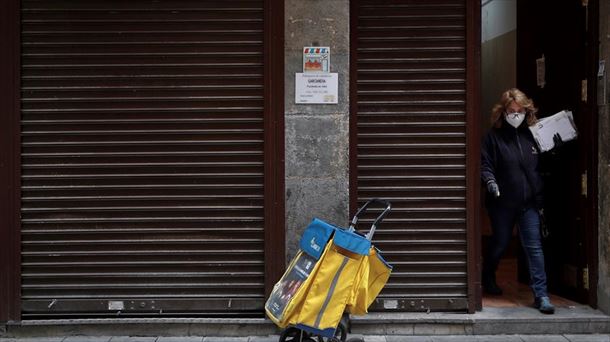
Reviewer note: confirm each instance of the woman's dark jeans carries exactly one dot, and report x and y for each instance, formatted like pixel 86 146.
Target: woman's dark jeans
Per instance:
pixel 528 223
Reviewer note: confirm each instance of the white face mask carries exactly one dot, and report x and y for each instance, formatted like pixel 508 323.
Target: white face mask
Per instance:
pixel 515 119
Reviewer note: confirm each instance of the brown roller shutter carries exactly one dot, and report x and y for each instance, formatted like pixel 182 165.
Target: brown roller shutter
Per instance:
pixel 409 106
pixel 143 157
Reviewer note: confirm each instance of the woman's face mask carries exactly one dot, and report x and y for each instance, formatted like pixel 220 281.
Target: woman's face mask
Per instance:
pixel 515 118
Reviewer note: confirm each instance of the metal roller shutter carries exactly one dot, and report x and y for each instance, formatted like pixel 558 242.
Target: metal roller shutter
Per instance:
pixel 142 152
pixel 411 145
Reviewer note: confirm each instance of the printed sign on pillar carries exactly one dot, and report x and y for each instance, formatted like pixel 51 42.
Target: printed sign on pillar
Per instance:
pixel 316 88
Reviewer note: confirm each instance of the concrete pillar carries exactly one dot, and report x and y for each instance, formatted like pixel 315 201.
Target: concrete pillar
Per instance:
pixel 316 136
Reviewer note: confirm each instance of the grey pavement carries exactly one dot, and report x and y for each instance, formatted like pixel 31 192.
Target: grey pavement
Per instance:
pixel 367 338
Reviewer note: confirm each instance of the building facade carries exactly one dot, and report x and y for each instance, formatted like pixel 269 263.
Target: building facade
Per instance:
pixel 154 160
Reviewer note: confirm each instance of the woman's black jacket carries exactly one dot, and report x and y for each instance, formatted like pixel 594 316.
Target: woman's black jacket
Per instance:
pixel 510 157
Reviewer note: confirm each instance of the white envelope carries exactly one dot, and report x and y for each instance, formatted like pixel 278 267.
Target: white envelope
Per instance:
pixel 546 128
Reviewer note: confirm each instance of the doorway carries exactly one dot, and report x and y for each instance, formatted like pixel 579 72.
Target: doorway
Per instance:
pixel 553 60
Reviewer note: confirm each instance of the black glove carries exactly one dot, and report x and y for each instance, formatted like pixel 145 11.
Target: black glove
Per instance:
pixel 557 140
pixel 544 231
pixel 492 188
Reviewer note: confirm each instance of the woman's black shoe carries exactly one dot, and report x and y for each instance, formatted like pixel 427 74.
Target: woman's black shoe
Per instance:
pixel 492 289
pixel 490 286
pixel 544 305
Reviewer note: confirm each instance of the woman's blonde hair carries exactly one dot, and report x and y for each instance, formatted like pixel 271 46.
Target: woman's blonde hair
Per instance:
pixel 517 96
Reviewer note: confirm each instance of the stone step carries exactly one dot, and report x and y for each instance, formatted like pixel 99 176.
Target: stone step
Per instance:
pixel 144 327
pixel 489 321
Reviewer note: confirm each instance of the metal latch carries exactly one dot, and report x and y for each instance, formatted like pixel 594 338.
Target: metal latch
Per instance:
pixel 583 184
pixel 585 278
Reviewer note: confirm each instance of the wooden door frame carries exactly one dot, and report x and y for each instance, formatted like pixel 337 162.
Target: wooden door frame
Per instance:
pixel 473 153
pixel 274 143
pixel 10 162
pixel 353 108
pixel 592 215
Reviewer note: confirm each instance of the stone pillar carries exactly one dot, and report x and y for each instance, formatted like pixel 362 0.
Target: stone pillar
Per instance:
pixel 316 136
pixel 603 98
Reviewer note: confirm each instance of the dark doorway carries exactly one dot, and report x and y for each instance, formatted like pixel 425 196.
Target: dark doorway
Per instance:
pixel 567 40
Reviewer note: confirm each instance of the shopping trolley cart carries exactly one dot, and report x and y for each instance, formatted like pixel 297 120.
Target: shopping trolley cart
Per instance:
pixel 337 271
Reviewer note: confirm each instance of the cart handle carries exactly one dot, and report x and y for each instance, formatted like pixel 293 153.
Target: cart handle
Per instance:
pixel 384 213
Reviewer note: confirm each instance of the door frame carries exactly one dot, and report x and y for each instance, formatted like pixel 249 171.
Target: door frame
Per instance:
pixel 592 218
pixel 473 153
pixel 274 143
pixel 10 162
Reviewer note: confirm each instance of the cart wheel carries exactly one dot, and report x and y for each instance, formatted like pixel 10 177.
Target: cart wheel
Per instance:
pixel 340 334
pixel 293 334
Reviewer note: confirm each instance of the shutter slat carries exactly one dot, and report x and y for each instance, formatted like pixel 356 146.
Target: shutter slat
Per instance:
pixel 411 132
pixel 142 155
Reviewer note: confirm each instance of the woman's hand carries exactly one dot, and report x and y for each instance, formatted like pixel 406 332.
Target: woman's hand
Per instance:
pixel 492 188
pixel 557 140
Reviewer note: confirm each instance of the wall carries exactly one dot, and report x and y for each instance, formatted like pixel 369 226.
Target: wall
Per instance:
pixel 316 136
pixel 497 18
pixel 603 286
pixel 498 52
pixel 498 71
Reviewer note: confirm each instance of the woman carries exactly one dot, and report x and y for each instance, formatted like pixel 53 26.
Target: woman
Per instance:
pixel 509 170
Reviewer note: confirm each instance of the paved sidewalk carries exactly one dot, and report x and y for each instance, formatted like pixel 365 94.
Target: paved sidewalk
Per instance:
pixel 367 338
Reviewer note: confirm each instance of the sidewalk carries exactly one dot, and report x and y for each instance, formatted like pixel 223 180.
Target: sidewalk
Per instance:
pixel 367 338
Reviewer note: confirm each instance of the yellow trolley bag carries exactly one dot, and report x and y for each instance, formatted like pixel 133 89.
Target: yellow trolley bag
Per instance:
pixel 286 299
pixel 374 272
pixel 349 273
pixel 371 278
pixel 332 286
